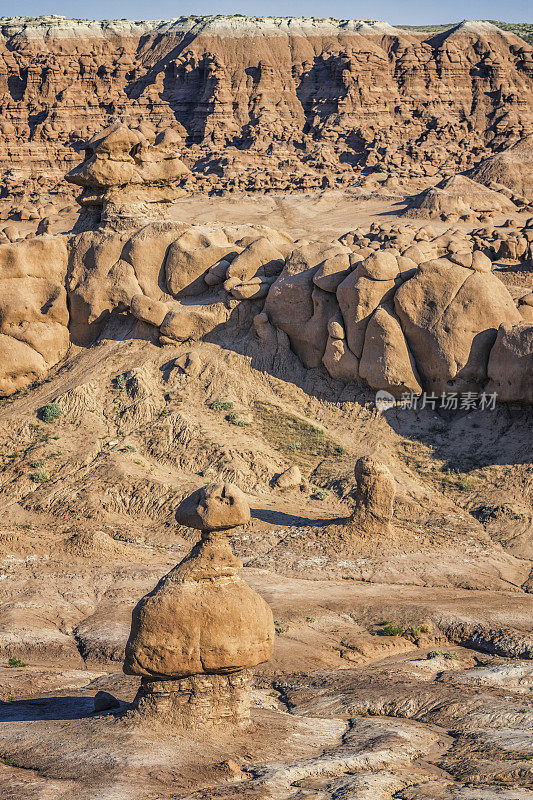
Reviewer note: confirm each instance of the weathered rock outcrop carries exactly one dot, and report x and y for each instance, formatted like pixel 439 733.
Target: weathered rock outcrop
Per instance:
pixel 302 310
pixel 195 637
pixel 386 362
pixel 214 508
pixel 459 196
pixel 125 165
pixel 147 271
pixel 33 310
pixel 397 309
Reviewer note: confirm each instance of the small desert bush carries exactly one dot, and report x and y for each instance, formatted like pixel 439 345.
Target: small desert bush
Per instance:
pixel 8 761
pixel 220 405
pixel 450 655
pixel 233 418
pixel 39 476
pixel 50 412
pixel 466 483
pixel 392 630
pixel 415 631
pixel 16 662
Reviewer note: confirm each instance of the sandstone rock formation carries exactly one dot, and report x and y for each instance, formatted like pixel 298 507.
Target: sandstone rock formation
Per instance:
pixel 127 168
pixel 511 168
pixel 458 197
pixel 195 637
pixel 261 102
pixel 289 478
pixel 374 496
pixel 386 361
pixel 510 367
pixel 450 315
pixel 214 508
pixel 145 270
pixel 33 310
pixel 392 325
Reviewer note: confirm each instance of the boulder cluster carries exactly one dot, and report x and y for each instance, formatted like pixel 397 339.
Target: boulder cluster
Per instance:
pixel 395 308
pixel 402 311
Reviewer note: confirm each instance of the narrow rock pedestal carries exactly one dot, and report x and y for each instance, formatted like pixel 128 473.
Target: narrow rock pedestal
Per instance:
pixel 375 490
pixel 199 701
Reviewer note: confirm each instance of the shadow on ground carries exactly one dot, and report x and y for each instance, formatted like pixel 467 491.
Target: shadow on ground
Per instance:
pixel 47 708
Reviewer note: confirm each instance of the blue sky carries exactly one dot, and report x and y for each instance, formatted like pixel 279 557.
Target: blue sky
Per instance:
pixel 409 12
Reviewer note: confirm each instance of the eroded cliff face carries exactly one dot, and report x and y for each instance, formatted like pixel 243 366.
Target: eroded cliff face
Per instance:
pixel 262 102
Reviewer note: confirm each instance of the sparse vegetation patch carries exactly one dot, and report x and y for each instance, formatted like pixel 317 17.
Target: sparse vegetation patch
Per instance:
pixel 50 412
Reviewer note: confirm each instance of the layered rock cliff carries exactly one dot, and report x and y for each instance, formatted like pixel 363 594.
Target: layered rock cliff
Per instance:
pixel 262 102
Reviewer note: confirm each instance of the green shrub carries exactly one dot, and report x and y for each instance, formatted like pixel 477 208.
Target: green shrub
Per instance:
pixel 50 412
pixel 466 483
pixel 448 654
pixel 39 476
pixel 392 630
pixel 16 662
pixel 219 405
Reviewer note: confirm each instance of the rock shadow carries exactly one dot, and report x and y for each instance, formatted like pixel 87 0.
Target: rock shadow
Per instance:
pixel 281 518
pixel 468 440
pixel 50 708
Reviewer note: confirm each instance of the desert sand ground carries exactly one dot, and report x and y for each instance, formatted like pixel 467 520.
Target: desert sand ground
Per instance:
pixel 439 711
